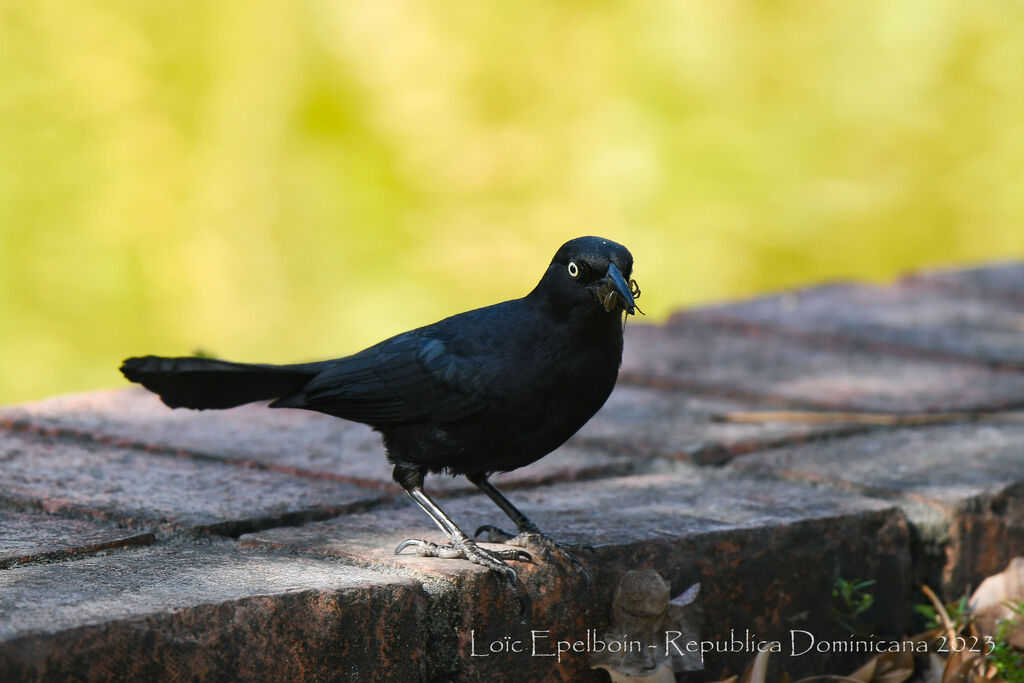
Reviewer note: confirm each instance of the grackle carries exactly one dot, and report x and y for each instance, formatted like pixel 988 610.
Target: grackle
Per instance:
pixel 485 391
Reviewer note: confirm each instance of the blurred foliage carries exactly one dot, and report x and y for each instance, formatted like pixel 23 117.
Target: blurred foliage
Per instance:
pixel 290 180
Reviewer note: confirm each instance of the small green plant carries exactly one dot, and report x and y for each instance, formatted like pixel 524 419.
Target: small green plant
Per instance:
pixel 1009 662
pixel 851 600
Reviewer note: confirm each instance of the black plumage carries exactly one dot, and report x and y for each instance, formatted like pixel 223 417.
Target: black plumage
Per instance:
pixel 485 391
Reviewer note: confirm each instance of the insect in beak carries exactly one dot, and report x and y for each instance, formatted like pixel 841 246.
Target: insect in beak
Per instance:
pixel 615 290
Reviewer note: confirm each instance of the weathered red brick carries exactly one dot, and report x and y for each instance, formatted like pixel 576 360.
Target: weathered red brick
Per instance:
pixel 289 440
pixel 902 319
pixel 1002 280
pixel 209 612
pixel 151 490
pixel 715 361
pixel 33 537
pixel 680 425
pixel 766 553
pixel 962 486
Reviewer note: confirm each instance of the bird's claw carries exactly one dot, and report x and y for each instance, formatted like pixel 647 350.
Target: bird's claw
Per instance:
pixel 524 538
pixel 428 549
pixel 465 549
pixel 537 540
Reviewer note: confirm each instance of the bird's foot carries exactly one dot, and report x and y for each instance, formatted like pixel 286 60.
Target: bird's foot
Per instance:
pixel 464 548
pixel 536 540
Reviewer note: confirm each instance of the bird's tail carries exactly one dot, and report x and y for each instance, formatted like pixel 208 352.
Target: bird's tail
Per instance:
pixel 207 383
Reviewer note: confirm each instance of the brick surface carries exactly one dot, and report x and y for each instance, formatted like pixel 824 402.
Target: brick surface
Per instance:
pixel 138 488
pixel 33 537
pixel 717 361
pixel 906 319
pixel 290 441
pixel 680 425
pixel 963 486
pixel 1002 280
pixel 208 612
pixel 753 543
pixel 282 439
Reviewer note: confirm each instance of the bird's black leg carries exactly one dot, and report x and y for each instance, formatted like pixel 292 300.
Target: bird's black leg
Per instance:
pixel 530 536
pixel 460 545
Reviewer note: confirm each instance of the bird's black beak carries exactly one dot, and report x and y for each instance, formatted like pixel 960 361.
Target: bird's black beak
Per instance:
pixel 615 289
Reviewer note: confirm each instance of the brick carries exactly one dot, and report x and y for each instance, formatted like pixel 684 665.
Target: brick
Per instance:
pixel 150 490
pixel 679 425
pixel 32 537
pixel 1004 280
pixel 766 553
pixel 209 612
pixel 759 366
pixel 290 441
pixel 902 319
pixel 962 486
pixel 287 440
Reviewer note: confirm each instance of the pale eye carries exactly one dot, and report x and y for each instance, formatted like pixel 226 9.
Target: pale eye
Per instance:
pixel 574 270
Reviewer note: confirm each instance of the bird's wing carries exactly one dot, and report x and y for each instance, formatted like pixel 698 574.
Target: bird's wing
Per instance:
pixel 404 379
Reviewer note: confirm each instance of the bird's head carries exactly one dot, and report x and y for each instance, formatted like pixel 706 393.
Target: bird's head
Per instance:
pixel 593 271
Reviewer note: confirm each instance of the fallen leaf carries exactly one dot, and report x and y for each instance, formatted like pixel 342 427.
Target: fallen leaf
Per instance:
pixel 888 667
pixel 980 677
pixel 988 604
pixel 936 665
pixel 757 669
pixel 685 614
pixel 958 666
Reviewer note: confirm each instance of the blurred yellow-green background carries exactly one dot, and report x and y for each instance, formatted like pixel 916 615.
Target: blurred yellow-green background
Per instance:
pixel 287 180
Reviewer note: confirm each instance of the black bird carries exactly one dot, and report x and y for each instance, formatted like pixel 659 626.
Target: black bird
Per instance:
pixel 485 391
